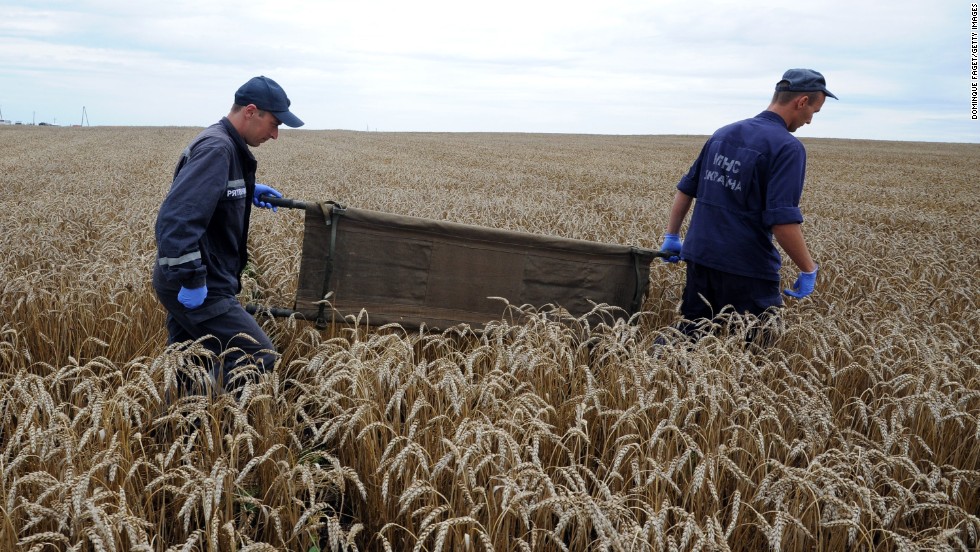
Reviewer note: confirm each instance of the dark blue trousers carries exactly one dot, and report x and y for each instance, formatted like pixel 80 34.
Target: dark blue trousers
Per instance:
pixel 233 331
pixel 708 291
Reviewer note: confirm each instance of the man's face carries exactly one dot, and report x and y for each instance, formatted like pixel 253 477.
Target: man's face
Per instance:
pixel 805 110
pixel 259 126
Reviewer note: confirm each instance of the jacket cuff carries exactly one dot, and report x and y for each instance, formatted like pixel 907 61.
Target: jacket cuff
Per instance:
pixel 194 283
pixel 782 215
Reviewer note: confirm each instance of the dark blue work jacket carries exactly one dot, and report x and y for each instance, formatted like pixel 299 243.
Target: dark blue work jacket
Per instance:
pixel 748 178
pixel 202 226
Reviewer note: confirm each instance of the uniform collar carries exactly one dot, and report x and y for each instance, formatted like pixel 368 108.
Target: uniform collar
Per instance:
pixel 237 138
pixel 774 117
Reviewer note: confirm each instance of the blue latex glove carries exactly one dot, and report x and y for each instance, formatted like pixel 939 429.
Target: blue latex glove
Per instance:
pixel 672 242
pixel 192 298
pixel 804 285
pixel 263 189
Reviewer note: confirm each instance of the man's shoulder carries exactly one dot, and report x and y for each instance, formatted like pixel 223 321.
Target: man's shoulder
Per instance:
pixel 765 133
pixel 214 133
pixel 212 137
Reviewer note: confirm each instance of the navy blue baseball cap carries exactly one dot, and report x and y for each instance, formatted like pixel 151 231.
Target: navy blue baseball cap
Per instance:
pixel 267 95
pixel 803 80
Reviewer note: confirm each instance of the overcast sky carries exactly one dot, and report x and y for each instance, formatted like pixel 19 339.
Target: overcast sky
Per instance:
pixel 901 68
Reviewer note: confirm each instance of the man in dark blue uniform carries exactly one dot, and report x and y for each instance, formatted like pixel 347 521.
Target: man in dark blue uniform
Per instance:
pixel 747 181
pixel 202 228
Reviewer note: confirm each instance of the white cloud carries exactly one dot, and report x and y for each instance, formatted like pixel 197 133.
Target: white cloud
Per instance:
pixel 661 66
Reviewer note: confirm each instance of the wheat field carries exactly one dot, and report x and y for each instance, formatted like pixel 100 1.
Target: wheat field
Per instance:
pixel 858 429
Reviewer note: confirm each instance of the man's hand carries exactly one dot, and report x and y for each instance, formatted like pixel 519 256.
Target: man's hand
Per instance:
pixel 804 285
pixel 672 244
pixel 260 190
pixel 192 298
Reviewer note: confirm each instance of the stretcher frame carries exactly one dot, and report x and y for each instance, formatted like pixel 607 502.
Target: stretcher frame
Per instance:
pixel 414 271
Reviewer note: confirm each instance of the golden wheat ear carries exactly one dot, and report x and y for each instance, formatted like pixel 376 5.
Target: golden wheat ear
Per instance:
pixel 856 429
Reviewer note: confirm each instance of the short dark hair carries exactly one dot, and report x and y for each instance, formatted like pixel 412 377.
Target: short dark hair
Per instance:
pixel 235 108
pixel 783 97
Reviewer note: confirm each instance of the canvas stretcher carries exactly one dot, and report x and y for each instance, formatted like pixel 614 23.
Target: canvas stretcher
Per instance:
pixel 413 271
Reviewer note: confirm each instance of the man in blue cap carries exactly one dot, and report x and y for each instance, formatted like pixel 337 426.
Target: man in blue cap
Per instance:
pixel 202 228
pixel 747 183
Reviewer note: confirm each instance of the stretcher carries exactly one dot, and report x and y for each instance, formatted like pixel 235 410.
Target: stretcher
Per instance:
pixel 415 271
